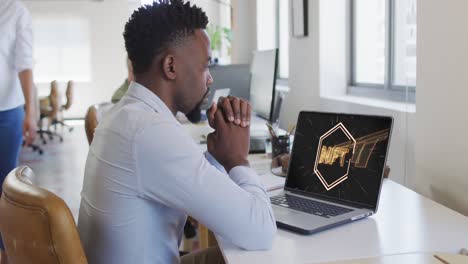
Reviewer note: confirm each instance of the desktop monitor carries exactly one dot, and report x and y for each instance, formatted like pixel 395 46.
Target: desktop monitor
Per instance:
pixel 262 83
pixel 236 77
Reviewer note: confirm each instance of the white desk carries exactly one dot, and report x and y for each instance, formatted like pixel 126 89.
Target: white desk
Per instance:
pixel 406 222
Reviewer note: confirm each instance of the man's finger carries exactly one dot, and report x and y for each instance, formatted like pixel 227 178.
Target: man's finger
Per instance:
pixel 225 105
pixel 211 115
pixel 244 105
pixel 249 116
pixel 235 103
pixel 219 120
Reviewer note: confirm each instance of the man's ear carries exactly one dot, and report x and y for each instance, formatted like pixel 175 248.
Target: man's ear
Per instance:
pixel 168 67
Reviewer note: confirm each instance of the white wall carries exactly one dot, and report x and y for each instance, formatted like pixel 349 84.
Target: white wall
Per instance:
pixel 304 80
pixel 442 127
pixel 244 31
pixel 318 80
pixel 107 19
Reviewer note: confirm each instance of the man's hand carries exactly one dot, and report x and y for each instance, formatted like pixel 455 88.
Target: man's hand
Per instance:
pixel 229 144
pixel 29 129
pixel 235 110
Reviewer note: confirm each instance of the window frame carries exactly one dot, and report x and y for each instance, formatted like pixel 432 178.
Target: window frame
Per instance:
pixel 387 90
pixel 281 80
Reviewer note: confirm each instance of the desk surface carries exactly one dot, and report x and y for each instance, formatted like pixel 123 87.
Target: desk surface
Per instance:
pixel 405 223
pixel 413 258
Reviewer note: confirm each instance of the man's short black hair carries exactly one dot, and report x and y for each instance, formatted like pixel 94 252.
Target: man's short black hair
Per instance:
pixel 153 28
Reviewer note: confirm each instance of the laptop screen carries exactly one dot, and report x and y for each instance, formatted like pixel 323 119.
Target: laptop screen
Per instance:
pixel 339 156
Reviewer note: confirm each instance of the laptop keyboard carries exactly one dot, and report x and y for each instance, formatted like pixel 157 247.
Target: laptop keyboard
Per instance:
pixel 309 206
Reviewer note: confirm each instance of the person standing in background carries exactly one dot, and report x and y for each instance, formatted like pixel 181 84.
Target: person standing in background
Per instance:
pixel 17 94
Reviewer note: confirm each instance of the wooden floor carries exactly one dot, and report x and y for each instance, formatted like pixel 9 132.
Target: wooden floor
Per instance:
pixel 60 168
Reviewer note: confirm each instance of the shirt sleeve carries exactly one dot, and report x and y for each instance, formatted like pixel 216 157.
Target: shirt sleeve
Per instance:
pixel 214 162
pixel 173 171
pixel 24 42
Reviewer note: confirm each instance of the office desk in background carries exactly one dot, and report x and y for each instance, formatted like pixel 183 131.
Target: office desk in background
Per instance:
pixel 199 131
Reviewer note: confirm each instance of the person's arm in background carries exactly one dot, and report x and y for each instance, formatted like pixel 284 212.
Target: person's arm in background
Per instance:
pixel 24 65
pixel 29 123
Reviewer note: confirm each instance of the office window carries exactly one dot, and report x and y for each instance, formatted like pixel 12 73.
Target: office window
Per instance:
pixel 273 31
pixel 383 49
pixel 283 17
pixel 62 49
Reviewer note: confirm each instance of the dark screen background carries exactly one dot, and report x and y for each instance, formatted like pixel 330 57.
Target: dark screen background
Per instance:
pixel 363 184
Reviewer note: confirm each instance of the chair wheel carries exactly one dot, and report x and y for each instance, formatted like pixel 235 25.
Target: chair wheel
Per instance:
pixel 44 141
pixel 61 139
pixel 41 152
pixel 70 129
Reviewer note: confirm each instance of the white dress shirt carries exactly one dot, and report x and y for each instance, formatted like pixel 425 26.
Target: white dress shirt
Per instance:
pixel 144 174
pixel 15 51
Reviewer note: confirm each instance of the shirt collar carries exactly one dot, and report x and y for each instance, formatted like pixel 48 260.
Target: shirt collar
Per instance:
pixel 143 94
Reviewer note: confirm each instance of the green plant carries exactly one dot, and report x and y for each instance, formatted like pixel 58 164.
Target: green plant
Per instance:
pixel 217 34
pixel 214 32
pixel 228 36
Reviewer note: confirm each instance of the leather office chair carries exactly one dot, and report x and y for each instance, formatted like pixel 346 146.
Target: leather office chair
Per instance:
pixel 49 108
pixel 93 116
pixel 69 96
pixel 36 225
pixel 59 118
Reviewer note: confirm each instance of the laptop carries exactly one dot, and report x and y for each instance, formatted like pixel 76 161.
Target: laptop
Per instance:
pixel 335 171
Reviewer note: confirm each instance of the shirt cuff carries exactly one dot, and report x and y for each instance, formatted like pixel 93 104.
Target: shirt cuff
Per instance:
pixel 214 162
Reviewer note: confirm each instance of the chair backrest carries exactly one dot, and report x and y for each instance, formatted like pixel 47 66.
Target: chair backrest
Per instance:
pixel 36 225
pixel 69 95
pixel 93 116
pixel 54 99
pixel 50 106
pixel 37 107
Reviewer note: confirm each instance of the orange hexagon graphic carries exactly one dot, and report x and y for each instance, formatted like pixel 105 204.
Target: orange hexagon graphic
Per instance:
pixel 334 153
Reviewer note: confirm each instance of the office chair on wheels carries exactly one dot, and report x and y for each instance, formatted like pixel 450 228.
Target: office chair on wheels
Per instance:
pixel 49 107
pixel 59 119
